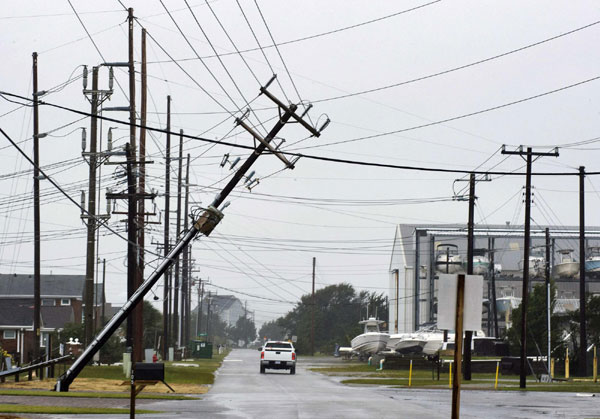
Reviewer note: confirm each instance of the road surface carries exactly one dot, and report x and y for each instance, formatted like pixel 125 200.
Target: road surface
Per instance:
pixel 240 391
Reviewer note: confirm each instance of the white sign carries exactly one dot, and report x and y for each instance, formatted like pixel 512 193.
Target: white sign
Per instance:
pixel 446 318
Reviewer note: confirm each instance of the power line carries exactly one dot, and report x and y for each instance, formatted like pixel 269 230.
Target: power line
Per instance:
pixel 462 67
pixel 348 161
pixel 318 35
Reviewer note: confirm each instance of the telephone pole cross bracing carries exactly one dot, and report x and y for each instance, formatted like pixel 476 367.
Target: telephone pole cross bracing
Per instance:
pixel 529 154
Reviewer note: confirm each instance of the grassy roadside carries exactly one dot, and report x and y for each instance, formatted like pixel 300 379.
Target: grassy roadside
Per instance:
pixel 363 374
pixel 12 408
pixel 92 395
pixel 186 377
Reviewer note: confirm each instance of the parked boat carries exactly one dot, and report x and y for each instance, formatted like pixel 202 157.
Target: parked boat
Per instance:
pixel 592 262
pixel 537 263
pixel 372 340
pixel 447 259
pixel 481 263
pixel 427 340
pixel 567 267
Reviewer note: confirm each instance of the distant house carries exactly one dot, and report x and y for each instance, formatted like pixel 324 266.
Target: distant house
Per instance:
pixel 61 303
pixel 228 307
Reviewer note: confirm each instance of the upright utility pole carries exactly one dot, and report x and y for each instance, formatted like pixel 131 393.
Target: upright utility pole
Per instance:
pixel 493 266
pixel 91 219
pixel 36 215
pixel 582 325
pixel 175 327
pixel 312 313
pixel 131 191
pixel 166 276
pixel 140 222
pixel 548 302
pixel 185 272
pixel 131 241
pixel 103 291
pixel 199 307
pixel 470 246
pixel 526 245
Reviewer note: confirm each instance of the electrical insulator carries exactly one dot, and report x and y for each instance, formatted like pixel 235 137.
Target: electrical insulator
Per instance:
pixel 109 145
pixel 249 177
pixel 82 201
pixel 111 77
pixel 83 139
pixel 85 77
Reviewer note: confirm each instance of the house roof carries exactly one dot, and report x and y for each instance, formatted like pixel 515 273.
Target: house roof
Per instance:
pixel 18 312
pixel 55 317
pixel 21 286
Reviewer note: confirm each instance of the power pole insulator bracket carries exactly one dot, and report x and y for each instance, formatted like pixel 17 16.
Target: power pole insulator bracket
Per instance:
pixel 208 220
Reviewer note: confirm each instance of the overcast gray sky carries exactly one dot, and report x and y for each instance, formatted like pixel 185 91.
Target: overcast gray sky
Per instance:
pixel 342 214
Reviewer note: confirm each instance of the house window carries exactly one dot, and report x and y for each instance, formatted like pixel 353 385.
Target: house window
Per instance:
pixel 44 339
pixel 65 301
pixel 10 334
pixel 48 302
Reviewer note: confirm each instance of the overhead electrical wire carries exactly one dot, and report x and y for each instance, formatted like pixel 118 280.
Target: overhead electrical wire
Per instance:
pixel 347 161
pixel 305 38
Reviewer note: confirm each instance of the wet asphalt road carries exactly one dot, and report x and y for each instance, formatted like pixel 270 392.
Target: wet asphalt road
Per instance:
pixel 240 391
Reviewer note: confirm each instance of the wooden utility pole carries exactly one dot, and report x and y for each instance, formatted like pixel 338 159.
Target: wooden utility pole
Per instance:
pixel 493 274
pixel 185 272
pixel 175 327
pixel 166 276
pixel 470 247
pixel 140 222
pixel 36 215
pixel 103 291
pixel 582 326
pixel 312 315
pixel 91 216
pixel 548 301
pixel 200 301
pixel 458 345
pixel 131 191
pixel 397 310
pixel 526 245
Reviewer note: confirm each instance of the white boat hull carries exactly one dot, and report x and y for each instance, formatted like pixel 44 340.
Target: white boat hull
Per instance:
pixel 566 270
pixel 370 343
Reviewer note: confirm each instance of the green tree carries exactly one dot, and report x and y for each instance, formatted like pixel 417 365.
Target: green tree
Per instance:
pixel 153 325
pixel 592 325
pixel 537 324
pixel 244 330
pixel 338 309
pixel 272 330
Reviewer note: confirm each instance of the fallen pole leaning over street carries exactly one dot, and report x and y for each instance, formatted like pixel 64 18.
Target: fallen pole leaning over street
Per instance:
pixel 205 224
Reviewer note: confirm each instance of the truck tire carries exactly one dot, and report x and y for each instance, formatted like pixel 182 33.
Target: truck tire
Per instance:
pixel 293 370
pixel 262 369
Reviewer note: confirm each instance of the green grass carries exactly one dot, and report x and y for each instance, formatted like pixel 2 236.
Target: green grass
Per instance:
pixel 416 382
pixel 203 374
pixel 93 395
pixel 12 408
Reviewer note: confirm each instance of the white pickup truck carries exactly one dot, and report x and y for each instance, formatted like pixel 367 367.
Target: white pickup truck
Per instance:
pixel 278 355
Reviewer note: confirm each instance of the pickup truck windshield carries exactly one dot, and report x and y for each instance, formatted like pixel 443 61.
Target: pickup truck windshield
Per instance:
pixel 277 345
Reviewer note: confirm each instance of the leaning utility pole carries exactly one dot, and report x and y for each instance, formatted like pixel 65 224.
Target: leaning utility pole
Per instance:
pixel 204 224
pixel 91 215
pixel 167 282
pixel 312 313
pixel 175 327
pixel 526 245
pixel 36 216
pixel 582 319
pixel 185 272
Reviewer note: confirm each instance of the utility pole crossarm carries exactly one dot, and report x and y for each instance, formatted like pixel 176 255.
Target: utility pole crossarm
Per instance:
pixel 520 152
